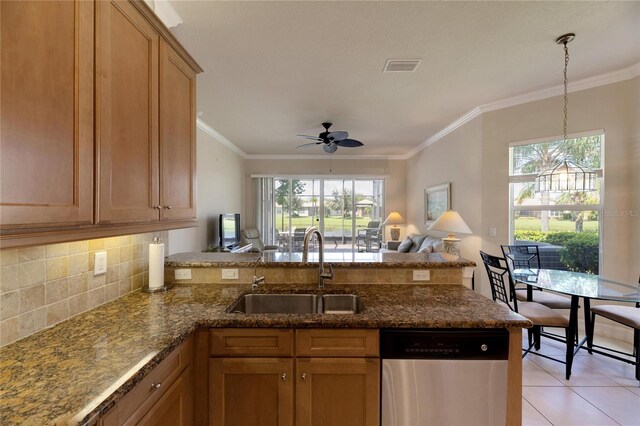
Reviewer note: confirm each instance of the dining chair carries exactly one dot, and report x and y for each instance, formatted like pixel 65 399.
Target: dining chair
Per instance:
pixel 502 290
pixel 527 256
pixel 625 315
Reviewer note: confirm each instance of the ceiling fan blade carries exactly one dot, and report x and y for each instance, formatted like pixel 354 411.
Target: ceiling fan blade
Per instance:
pixel 349 143
pixel 313 138
pixel 308 144
pixel 337 136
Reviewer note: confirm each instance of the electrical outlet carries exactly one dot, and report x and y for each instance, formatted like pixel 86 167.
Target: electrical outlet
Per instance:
pixel 100 263
pixel 229 274
pixel 492 231
pixel 182 274
pixel 421 275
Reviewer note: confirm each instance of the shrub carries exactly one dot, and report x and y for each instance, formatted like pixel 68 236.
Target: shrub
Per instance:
pixel 580 253
pixel 529 235
pixel 558 238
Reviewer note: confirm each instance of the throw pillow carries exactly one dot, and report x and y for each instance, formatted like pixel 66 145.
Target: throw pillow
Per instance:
pixel 425 249
pixel 417 242
pixel 405 245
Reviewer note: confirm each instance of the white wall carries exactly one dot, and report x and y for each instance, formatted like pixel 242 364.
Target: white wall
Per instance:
pixel 475 158
pixel 454 159
pixel 395 182
pixel 220 174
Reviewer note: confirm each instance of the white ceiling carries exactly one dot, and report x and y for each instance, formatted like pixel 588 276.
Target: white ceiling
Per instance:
pixel 275 69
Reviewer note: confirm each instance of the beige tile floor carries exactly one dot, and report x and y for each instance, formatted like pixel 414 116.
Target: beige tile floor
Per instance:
pixel 601 391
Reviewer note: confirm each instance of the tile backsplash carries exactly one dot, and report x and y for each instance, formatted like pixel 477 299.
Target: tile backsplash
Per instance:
pixel 44 285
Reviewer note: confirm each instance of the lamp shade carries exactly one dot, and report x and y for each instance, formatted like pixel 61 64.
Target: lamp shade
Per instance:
pixel 394 218
pixel 450 221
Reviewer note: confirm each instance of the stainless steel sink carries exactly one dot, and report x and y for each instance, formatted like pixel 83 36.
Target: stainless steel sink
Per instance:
pixel 297 304
pixel 276 304
pixel 341 304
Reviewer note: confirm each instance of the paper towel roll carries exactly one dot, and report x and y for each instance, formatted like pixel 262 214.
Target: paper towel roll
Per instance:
pixel 156 265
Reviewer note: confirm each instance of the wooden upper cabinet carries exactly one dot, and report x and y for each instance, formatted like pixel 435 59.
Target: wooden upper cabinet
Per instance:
pixel 126 114
pixel 177 136
pixel 46 104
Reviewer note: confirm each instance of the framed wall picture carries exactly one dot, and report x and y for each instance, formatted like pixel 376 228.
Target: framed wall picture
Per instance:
pixel 437 200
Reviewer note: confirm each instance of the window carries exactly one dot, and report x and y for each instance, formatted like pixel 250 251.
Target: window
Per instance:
pixel 566 225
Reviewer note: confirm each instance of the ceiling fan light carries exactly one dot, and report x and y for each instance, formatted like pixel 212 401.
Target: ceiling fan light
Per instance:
pixel 330 148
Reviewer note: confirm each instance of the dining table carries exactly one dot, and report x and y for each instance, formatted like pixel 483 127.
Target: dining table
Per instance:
pixel 578 285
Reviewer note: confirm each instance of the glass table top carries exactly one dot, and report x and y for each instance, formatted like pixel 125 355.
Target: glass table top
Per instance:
pixel 579 284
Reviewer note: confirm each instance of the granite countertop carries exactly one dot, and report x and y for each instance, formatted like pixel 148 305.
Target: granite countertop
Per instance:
pixel 340 260
pixel 79 368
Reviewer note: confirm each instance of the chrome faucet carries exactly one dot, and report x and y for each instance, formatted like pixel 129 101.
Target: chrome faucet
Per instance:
pixel 322 275
pixel 256 279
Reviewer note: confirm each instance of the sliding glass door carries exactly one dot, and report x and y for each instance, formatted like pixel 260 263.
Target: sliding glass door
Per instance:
pixel 348 212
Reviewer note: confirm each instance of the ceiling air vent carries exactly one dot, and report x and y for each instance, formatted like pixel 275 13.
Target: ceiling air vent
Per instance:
pixel 401 65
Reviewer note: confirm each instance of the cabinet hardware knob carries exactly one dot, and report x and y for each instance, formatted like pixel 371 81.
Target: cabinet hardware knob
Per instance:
pixel 304 376
pixel 157 207
pixel 168 207
pixel 155 386
pixel 284 376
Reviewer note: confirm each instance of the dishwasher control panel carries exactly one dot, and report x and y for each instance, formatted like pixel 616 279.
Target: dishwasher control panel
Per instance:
pixel 444 344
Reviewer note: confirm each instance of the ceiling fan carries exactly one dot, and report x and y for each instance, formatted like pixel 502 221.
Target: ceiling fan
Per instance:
pixel 331 140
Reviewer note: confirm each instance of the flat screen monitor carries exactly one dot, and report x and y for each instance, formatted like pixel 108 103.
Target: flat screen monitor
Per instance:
pixel 229 229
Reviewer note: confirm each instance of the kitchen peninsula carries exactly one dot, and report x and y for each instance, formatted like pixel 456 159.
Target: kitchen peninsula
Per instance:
pixel 98 367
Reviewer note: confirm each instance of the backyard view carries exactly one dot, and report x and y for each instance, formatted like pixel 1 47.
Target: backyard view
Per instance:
pixel 565 224
pixel 339 207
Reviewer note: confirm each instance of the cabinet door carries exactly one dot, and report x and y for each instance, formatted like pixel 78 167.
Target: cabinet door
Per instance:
pixel 177 136
pixel 175 407
pixel 126 114
pixel 251 391
pixel 337 391
pixel 46 105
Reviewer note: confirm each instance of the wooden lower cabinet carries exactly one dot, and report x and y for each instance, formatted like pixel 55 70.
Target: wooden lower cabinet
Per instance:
pixel 163 397
pixel 337 391
pixel 251 391
pixel 175 407
pixel 266 377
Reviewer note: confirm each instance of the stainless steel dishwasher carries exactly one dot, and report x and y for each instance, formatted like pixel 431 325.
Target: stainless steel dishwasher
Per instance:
pixel 444 377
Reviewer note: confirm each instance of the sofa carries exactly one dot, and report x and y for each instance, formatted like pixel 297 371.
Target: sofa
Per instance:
pixel 415 243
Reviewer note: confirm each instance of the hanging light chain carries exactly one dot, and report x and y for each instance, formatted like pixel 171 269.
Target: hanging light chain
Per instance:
pixel 566 84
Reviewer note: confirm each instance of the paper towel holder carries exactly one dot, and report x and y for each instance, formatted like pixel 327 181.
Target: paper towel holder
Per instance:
pixel 165 287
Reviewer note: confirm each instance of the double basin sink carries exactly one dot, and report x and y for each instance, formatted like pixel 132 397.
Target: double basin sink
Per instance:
pixel 297 304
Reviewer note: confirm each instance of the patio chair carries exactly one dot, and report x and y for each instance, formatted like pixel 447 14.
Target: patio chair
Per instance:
pixel 298 238
pixel 527 256
pixel 369 237
pixel 540 315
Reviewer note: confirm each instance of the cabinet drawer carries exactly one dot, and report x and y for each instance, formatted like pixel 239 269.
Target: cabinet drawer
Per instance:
pixel 133 406
pixel 251 342
pixel 336 343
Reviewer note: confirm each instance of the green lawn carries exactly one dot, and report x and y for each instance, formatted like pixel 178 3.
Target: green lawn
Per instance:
pixel 534 224
pixel 330 223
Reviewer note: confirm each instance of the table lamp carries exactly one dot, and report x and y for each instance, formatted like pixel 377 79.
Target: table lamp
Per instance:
pixel 394 219
pixel 451 222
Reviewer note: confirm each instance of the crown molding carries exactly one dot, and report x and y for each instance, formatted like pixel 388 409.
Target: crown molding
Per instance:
pixel 233 147
pixel 584 84
pixel 219 137
pixel 324 157
pixel 442 133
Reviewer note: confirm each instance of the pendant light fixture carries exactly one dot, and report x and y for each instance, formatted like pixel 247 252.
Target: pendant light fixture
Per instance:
pixel 566 176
